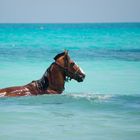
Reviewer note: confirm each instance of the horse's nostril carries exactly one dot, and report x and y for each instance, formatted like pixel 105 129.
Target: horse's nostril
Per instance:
pixel 84 76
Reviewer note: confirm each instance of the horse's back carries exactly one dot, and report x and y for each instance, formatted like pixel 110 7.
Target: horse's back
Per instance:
pixel 14 91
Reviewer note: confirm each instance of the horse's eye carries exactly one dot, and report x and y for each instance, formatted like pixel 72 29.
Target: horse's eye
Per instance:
pixel 72 64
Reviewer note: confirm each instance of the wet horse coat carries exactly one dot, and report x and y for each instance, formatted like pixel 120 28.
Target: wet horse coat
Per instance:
pixel 53 80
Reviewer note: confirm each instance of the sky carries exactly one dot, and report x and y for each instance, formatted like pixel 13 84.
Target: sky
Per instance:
pixel 69 11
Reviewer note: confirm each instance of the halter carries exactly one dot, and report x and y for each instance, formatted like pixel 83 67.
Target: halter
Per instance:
pixel 66 67
pixel 67 71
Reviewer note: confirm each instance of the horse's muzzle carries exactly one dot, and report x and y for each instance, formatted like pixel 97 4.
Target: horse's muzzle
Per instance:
pixel 81 77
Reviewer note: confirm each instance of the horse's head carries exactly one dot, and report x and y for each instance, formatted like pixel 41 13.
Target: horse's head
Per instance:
pixel 70 68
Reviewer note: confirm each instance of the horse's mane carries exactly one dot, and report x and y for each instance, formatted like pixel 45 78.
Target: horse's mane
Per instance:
pixel 59 55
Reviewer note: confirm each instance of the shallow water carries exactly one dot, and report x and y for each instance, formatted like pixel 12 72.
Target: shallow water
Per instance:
pixel 70 116
pixel 105 106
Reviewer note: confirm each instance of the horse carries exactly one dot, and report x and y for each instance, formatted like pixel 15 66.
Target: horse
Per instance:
pixel 52 82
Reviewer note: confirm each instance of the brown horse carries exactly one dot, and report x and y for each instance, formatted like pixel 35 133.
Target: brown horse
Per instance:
pixel 53 80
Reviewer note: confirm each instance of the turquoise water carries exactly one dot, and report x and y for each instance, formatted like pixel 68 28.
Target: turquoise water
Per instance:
pixel 105 106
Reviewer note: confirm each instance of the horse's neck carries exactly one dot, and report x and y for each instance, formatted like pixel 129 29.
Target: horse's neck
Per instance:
pixel 53 79
pixel 56 78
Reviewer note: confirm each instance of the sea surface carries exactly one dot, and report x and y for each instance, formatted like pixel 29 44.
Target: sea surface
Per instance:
pixel 106 106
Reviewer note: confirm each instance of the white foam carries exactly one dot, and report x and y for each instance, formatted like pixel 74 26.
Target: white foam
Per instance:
pixel 91 96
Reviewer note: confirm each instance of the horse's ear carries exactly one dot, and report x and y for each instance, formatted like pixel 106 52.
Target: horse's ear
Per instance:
pixel 66 56
pixel 66 52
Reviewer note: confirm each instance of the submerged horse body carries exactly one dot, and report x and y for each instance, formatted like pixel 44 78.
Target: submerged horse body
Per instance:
pixel 53 80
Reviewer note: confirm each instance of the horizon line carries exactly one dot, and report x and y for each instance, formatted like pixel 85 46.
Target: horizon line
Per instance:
pixel 118 22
